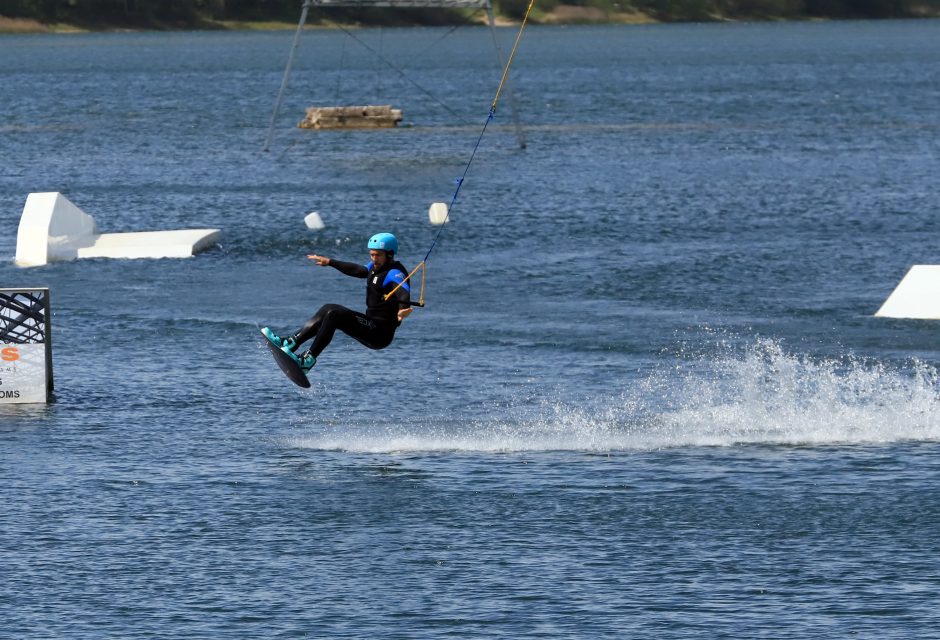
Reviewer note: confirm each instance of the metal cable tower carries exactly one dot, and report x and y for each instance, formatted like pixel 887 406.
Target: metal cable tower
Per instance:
pixel 441 4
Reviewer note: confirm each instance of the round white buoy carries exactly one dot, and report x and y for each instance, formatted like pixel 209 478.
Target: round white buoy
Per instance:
pixel 438 213
pixel 314 221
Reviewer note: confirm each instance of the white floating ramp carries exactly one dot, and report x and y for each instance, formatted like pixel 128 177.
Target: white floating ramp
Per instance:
pixel 182 243
pixel 917 297
pixel 52 229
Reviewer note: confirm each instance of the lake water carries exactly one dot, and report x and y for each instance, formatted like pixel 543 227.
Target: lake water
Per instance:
pixel 647 397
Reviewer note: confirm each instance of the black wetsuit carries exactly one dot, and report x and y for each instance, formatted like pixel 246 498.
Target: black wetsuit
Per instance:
pixel 376 327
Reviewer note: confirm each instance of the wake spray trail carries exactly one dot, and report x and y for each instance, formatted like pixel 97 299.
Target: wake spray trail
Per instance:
pixel 761 396
pixel 769 396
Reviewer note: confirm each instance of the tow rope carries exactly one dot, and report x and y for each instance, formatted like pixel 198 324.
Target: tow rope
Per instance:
pixel 422 266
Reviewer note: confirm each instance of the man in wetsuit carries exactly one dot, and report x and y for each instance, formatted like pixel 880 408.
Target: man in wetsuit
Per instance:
pixel 376 327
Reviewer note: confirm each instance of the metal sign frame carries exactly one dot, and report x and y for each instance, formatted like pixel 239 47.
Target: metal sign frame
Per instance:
pixel 25 320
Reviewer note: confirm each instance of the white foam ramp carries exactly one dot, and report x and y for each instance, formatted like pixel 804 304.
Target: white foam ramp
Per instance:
pixel 181 243
pixel 53 229
pixel 917 296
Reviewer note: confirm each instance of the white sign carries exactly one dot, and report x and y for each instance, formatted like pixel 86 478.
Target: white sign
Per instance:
pixel 25 346
pixel 22 373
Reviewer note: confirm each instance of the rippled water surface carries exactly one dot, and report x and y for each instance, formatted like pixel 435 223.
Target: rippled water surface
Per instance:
pixel 647 397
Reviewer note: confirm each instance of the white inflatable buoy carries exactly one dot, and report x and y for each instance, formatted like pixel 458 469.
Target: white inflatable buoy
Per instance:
pixel 314 221
pixel 438 213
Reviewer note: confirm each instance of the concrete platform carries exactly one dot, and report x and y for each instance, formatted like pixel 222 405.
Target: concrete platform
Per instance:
pixel 52 229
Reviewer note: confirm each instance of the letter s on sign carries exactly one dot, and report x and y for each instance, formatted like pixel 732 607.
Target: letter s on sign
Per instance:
pixel 10 354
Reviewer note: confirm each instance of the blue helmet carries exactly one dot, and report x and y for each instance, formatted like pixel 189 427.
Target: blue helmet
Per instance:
pixel 384 242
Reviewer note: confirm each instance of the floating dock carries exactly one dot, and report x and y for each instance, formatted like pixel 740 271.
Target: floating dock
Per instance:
pixel 365 117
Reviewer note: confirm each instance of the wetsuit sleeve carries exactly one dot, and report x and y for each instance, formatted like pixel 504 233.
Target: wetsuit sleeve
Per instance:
pixel 349 268
pixel 403 294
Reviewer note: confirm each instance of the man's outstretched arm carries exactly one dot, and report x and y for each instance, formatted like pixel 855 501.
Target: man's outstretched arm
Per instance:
pixel 349 268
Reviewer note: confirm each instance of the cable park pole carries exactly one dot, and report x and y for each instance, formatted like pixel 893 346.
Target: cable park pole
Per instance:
pixel 491 20
pixel 441 4
pixel 290 62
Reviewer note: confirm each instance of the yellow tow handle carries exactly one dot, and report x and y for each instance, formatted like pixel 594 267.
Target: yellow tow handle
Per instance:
pixel 424 272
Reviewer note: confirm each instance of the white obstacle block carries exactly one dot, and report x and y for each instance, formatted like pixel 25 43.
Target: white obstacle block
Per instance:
pixel 917 296
pixel 314 221
pixel 52 229
pixel 181 243
pixel 437 213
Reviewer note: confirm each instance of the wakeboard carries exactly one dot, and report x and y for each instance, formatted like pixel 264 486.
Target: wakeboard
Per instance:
pixel 287 364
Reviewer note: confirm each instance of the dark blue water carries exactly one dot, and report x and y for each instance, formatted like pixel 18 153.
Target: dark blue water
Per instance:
pixel 647 397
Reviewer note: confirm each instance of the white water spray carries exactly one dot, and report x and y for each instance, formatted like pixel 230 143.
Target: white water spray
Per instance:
pixel 763 396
